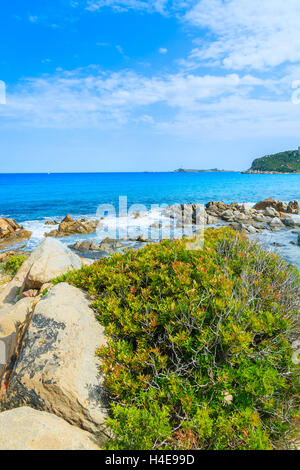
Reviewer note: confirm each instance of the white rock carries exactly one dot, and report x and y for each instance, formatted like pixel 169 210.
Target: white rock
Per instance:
pixel 57 369
pixel 49 260
pixel 28 429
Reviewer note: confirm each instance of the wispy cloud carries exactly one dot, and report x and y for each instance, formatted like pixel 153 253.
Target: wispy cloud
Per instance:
pixel 252 34
pixel 164 7
pixel 33 18
pixel 234 34
pixel 197 105
pixel 125 5
pixel 242 40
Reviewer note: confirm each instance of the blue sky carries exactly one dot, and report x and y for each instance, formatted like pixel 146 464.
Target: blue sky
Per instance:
pixel 133 85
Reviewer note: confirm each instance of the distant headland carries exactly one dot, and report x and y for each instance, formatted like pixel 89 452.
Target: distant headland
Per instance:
pixel 283 163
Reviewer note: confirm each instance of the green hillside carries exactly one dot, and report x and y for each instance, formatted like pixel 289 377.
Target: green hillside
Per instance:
pixel 283 162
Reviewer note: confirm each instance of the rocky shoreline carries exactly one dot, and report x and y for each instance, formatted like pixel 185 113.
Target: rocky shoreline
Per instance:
pixel 267 215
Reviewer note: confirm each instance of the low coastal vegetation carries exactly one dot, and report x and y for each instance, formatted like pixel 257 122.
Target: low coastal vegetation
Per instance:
pixel 198 352
pixel 13 264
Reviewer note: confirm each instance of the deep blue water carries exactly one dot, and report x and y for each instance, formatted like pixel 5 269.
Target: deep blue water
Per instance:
pixel 35 196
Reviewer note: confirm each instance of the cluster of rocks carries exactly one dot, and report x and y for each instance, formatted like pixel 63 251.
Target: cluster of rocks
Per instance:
pixel 51 392
pixel 107 245
pixel 11 232
pixel 69 226
pixel 265 215
pixel 292 207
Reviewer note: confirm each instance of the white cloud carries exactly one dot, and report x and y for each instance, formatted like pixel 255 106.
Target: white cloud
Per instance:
pixel 124 5
pixel 164 7
pixel 163 50
pixel 120 49
pixel 236 34
pixel 256 34
pixel 33 19
pixel 174 103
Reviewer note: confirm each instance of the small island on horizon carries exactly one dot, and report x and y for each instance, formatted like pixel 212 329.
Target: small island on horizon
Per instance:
pixel 212 170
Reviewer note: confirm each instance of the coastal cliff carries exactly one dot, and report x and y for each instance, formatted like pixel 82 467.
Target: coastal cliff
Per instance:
pixel 284 162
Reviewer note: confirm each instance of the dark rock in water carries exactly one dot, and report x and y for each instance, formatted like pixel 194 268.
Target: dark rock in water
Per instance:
pixel 293 243
pixel 85 246
pixel 277 244
pixel 110 244
pixel 288 222
pixel 139 238
pixel 298 241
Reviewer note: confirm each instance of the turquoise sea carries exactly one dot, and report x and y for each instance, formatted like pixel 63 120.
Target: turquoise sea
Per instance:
pixel 31 199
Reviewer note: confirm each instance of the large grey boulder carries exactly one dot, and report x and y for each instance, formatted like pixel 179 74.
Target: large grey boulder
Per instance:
pixel 28 429
pixel 57 369
pixel 49 260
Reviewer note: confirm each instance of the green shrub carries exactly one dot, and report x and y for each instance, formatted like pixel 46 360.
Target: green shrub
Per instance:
pixel 198 352
pixel 13 264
